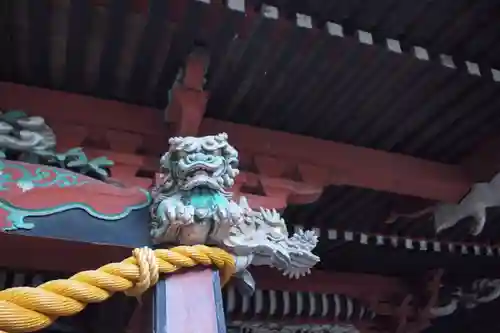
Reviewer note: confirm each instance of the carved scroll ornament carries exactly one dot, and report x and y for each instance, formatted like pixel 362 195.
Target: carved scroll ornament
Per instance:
pixel 481 291
pixel 30 139
pixel 193 204
pixel 474 204
pixel 23 133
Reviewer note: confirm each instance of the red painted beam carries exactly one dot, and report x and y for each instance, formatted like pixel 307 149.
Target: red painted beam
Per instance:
pixel 318 162
pixel 187 106
pixel 484 161
pixel 85 111
pixel 43 254
pixel 334 163
pixel 194 70
pixel 360 286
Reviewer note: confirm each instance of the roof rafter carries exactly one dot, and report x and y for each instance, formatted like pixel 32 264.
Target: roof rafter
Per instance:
pixel 335 30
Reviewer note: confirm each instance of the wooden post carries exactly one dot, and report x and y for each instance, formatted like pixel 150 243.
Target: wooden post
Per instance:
pixel 190 302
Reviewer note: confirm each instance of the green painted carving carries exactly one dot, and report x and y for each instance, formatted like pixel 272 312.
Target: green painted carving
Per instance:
pixel 12 116
pixel 30 139
pixel 204 199
pixel 75 160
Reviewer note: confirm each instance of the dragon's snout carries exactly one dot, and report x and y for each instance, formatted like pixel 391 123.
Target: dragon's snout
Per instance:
pixel 301 262
pixel 282 259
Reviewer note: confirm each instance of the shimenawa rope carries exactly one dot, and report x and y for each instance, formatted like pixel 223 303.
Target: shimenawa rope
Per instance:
pixel 27 309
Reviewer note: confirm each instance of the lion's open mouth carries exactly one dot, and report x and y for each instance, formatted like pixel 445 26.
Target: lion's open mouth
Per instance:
pixel 197 173
pixel 199 167
pixel 200 176
pixel 201 180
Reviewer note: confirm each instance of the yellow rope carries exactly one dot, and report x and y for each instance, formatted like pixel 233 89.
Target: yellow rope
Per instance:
pixel 27 309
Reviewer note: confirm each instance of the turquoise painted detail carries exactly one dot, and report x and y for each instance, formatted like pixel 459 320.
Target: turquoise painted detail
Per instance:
pixel 204 198
pixel 47 177
pixel 13 115
pixel 42 177
pixel 5 179
pixel 17 215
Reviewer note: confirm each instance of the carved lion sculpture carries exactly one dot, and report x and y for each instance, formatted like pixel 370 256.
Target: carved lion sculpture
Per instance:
pixel 192 204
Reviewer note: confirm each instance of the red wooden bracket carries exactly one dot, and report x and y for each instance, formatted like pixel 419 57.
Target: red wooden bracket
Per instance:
pixel 123 141
pixel 71 135
pixel 194 71
pixel 272 177
pixel 270 166
pixel 186 110
pixel 123 171
pixel 188 100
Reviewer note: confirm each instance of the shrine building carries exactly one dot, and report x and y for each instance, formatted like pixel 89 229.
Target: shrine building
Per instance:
pixel 372 124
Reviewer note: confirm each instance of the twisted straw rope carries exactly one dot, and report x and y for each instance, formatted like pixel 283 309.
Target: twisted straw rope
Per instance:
pixel 27 309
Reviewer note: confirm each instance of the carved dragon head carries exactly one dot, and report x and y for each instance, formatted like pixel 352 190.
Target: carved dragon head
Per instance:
pixel 199 162
pixel 263 236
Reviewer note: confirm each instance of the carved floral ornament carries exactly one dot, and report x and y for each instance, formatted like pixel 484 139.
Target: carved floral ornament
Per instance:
pixel 193 204
pixel 30 139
